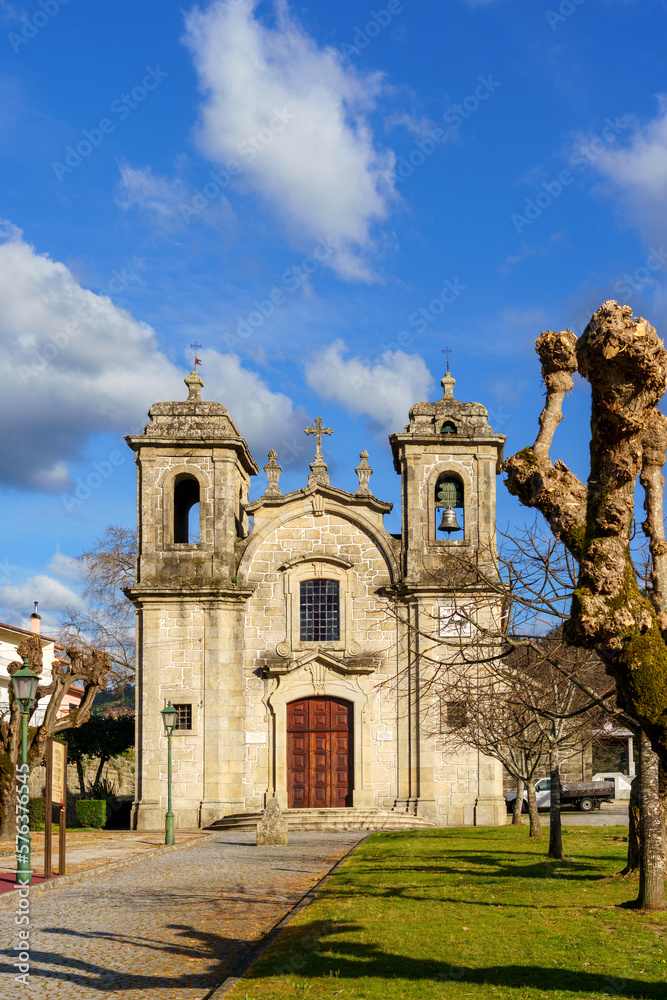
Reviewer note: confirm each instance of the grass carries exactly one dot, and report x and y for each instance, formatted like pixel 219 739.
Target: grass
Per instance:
pixel 472 913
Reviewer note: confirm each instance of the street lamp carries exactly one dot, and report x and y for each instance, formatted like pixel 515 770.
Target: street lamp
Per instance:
pixel 169 720
pixel 24 686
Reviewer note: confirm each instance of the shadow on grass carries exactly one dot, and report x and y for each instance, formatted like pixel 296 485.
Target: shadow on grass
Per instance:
pixel 313 951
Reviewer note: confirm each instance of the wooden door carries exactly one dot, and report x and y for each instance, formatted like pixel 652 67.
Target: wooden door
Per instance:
pixel 319 753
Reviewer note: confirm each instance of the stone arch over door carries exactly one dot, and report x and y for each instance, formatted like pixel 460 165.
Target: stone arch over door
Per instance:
pixel 315 680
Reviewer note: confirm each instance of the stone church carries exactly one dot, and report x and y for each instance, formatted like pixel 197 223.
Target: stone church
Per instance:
pixel 295 636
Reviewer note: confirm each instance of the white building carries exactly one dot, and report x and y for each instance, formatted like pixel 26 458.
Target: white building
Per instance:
pixel 10 637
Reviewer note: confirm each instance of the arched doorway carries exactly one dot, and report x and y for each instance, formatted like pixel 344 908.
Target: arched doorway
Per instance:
pixel 319 753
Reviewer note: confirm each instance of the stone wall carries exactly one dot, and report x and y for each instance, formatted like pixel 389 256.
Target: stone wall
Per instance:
pixel 119 770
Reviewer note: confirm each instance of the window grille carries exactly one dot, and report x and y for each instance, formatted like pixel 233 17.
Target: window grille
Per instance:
pixel 183 717
pixel 320 611
pixel 457 714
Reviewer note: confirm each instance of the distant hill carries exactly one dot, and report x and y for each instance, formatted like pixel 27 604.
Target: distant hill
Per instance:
pixel 121 698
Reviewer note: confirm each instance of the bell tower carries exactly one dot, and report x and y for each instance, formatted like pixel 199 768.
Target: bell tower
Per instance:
pixel 448 458
pixel 193 476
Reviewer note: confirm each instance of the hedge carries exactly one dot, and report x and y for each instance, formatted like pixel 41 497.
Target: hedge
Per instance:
pixel 36 812
pixel 92 812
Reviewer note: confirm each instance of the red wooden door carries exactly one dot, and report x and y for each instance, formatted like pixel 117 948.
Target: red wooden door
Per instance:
pixel 319 753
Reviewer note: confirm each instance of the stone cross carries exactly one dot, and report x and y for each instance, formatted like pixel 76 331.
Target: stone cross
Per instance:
pixel 318 430
pixel 318 468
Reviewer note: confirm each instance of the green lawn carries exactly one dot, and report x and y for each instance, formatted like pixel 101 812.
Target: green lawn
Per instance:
pixel 471 913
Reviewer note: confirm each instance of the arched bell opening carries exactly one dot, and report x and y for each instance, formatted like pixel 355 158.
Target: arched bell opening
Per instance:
pixel 449 427
pixel 186 510
pixel 450 508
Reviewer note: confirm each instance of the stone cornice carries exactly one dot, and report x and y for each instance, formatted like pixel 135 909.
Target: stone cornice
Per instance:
pixel 447 444
pixel 174 595
pixel 138 441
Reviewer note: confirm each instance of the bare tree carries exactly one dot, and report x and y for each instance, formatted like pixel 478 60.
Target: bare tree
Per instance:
pixel 107 619
pixel 92 670
pixel 625 364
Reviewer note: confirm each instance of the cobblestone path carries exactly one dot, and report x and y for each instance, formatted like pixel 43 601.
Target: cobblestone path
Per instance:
pixel 171 927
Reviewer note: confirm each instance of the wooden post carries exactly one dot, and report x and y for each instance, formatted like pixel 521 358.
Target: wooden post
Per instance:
pixel 49 808
pixel 63 822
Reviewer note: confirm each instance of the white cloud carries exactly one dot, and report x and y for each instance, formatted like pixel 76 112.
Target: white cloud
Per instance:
pixel 67 566
pixel 140 188
pixel 295 118
pixel 383 389
pixel 638 173
pixel 17 600
pixel 74 365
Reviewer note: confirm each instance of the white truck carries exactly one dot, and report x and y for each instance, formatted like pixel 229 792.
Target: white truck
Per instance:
pixel 583 795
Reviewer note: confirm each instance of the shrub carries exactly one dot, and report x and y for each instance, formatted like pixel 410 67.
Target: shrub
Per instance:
pixel 92 813
pixel 37 812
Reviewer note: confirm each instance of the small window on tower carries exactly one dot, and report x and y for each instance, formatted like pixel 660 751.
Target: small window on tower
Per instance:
pixel 186 510
pixel 183 717
pixel 320 611
pixel 448 427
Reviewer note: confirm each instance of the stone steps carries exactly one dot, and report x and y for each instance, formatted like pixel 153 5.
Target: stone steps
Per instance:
pixel 329 819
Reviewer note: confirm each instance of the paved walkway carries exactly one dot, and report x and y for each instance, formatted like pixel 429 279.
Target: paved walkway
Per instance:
pixel 85 849
pixel 171 927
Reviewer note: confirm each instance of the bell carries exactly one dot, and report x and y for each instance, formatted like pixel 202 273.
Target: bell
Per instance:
pixel 449 522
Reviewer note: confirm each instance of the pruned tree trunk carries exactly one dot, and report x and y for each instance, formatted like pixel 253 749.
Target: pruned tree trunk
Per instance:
pixel 651 868
pixel 518 802
pixel 92 671
pixel 555 831
pixel 625 363
pixel 533 814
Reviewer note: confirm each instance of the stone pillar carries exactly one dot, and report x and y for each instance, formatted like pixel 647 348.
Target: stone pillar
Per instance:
pixel 490 805
pixel 223 735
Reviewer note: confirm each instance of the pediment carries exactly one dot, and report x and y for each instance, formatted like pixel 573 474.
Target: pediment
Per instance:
pixel 321 660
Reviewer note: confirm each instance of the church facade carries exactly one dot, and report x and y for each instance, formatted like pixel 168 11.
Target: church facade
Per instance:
pixel 299 641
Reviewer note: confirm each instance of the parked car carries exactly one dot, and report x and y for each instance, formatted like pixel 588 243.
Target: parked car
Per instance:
pixel 583 795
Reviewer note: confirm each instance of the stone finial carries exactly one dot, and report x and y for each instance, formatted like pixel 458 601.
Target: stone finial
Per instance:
pixel 272 827
pixel 448 383
pixel 364 472
pixel 273 470
pixel 195 384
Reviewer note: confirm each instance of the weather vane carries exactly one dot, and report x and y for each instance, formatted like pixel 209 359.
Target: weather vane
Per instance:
pixel 447 351
pixel 196 347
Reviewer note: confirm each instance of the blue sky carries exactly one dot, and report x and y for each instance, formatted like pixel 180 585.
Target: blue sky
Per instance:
pixel 400 178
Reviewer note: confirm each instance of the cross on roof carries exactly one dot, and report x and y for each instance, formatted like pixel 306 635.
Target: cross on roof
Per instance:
pixel 447 351
pixel 318 430
pixel 196 347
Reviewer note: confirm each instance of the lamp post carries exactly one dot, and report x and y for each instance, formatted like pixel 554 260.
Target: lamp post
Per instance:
pixel 24 686
pixel 169 720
